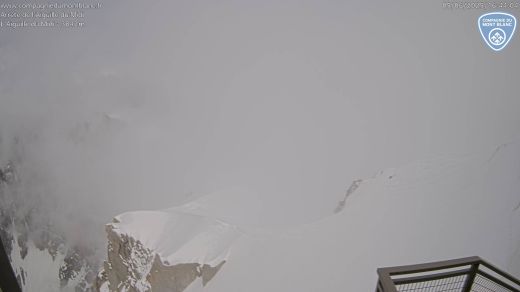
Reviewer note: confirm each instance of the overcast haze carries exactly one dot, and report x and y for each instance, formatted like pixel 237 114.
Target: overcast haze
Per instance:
pixel 154 103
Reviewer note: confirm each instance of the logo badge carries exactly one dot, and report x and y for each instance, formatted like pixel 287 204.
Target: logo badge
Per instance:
pixel 497 29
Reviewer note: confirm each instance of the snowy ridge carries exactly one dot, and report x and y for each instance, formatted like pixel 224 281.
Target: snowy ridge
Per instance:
pixel 178 237
pixel 167 250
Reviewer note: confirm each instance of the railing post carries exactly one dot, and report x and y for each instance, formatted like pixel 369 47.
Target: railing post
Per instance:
pixel 385 281
pixel 470 278
pixel 379 288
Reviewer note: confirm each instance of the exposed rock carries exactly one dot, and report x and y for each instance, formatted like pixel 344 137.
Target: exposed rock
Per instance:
pixel 353 187
pixel 163 261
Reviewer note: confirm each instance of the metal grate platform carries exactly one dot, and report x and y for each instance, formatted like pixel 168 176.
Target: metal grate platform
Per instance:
pixel 461 275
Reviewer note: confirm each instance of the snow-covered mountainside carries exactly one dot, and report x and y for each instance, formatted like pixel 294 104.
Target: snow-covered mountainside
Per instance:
pixel 429 210
pixel 41 256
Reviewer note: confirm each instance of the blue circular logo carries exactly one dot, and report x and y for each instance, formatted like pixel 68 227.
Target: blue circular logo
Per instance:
pixel 497 36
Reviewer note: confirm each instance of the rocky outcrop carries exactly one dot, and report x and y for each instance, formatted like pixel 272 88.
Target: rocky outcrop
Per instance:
pixel 353 187
pixel 162 260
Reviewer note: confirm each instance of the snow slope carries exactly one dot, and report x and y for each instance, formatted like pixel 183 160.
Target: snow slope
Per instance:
pixel 430 210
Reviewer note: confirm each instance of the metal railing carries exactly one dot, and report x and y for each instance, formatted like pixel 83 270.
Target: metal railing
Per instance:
pixel 471 274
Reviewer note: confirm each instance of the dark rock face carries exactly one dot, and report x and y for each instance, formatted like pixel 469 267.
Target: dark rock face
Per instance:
pixel 8 174
pixel 5 235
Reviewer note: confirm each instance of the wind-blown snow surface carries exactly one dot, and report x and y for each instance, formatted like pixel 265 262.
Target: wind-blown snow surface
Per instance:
pixel 430 210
